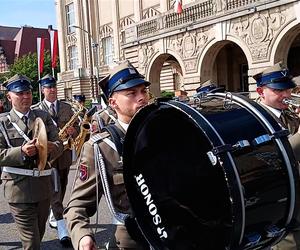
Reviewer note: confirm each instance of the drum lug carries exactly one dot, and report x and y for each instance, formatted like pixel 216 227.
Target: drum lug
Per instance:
pixel 274 231
pixel 213 159
pixel 252 239
pixel 228 147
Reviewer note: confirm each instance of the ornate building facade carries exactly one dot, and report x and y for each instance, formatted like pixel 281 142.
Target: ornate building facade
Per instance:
pixel 226 41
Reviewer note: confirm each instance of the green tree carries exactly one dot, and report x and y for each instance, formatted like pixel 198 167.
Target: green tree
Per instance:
pixel 28 65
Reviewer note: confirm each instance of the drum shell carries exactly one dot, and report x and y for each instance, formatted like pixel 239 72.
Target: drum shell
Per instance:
pixel 177 190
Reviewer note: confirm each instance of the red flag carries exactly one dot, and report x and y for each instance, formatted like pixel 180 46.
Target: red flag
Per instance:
pixel 54 47
pixel 178 6
pixel 40 53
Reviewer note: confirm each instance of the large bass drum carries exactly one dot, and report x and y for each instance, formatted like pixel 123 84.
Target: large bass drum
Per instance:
pixel 220 176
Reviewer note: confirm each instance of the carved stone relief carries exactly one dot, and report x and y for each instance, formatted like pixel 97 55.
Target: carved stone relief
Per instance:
pixel 189 47
pixel 145 52
pixel 258 30
pixel 190 65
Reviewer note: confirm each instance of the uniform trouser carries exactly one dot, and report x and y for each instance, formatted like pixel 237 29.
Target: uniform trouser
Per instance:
pixel 58 197
pixel 31 219
pixel 123 240
pixel 290 242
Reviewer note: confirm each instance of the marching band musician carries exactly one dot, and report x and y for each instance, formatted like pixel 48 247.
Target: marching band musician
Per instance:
pixel 127 92
pixel 80 99
pixel 61 113
pixel 26 188
pixel 274 84
pixel 209 87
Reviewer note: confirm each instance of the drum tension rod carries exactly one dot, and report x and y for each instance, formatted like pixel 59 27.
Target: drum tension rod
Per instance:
pixel 228 147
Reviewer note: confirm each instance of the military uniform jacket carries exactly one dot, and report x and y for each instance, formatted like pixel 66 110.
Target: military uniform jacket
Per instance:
pixel 63 115
pixel 290 122
pixel 21 188
pixel 83 201
pixel 102 118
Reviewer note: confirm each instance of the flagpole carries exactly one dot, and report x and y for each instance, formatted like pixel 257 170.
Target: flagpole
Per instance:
pixel 40 47
pixel 40 92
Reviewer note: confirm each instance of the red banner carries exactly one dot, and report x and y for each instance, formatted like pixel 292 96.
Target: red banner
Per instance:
pixel 54 47
pixel 178 6
pixel 40 54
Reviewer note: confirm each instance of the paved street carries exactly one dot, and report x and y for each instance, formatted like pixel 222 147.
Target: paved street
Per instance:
pixel 9 236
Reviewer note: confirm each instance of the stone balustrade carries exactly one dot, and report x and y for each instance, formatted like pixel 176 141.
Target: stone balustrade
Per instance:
pixel 193 14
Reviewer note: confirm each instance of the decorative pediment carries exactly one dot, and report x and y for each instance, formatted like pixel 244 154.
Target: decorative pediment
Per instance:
pixel 71 40
pixel 126 21
pixel 105 31
pixel 150 12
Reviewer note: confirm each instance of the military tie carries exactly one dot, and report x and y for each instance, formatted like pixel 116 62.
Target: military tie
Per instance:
pixel 52 110
pixel 290 121
pixel 25 120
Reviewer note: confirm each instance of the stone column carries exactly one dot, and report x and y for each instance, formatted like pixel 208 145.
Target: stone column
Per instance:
pixel 137 10
pixel 60 28
pixel 115 26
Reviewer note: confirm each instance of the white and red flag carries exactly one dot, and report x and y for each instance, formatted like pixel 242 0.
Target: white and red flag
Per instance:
pixel 178 6
pixel 54 47
pixel 40 53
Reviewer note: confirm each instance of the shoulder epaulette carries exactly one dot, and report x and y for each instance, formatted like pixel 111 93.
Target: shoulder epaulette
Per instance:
pixel 35 105
pixel 98 137
pixel 3 115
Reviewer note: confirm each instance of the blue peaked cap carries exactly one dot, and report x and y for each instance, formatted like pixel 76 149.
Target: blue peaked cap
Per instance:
pixel 79 98
pixel 275 77
pixel 48 81
pixel 18 83
pixel 209 87
pixel 206 89
pixel 123 76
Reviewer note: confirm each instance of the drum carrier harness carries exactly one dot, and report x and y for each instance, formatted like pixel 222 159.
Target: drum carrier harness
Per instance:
pixel 117 145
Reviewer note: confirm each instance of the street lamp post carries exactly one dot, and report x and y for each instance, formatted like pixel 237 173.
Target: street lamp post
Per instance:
pixel 95 64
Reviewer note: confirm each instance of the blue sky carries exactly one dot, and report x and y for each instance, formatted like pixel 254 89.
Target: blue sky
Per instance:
pixel 36 13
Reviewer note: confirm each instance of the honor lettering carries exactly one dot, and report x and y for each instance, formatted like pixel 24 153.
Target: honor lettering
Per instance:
pixel 152 208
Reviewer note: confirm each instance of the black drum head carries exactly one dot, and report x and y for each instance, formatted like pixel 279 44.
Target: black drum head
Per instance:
pixel 179 198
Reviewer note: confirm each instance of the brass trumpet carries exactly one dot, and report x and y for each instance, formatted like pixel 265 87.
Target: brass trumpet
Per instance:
pixel 291 102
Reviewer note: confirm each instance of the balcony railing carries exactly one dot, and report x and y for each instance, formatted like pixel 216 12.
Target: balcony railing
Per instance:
pixel 194 13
